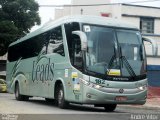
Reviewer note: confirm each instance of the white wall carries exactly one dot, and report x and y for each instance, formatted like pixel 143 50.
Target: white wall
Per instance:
pixel 116 11
pixel 84 2
pixel 157 25
pixel 132 20
pixel 87 10
pixel 153 61
pixel 91 10
pixel 58 13
pixel 145 11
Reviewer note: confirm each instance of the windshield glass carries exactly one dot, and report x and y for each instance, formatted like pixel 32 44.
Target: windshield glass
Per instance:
pixel 101 48
pixel 114 52
pixel 131 52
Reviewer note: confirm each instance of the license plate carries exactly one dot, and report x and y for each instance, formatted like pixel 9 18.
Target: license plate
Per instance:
pixel 121 98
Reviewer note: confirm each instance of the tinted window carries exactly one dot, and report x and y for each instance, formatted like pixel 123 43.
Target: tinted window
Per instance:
pixel 55 44
pixel 27 49
pixel 49 42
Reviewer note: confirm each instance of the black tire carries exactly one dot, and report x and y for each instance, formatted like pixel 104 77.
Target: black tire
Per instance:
pixel 60 100
pixel 110 107
pixel 49 100
pixel 18 96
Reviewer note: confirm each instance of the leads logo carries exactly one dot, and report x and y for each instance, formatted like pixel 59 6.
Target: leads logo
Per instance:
pixel 43 69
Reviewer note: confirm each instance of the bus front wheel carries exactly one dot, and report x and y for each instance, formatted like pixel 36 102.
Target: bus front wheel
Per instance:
pixel 110 107
pixel 18 96
pixel 60 97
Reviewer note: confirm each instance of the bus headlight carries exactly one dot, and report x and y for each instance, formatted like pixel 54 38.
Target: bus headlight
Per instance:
pixel 142 88
pixel 98 86
pixel 90 84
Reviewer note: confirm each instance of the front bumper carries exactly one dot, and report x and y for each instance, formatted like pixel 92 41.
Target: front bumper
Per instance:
pixel 95 96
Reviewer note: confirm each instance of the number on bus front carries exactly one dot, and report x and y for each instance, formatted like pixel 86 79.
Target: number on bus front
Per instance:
pixel 98 81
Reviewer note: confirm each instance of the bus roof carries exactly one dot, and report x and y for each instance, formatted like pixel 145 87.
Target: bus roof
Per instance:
pixel 97 20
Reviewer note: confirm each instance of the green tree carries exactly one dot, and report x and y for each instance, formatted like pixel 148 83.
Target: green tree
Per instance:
pixel 17 17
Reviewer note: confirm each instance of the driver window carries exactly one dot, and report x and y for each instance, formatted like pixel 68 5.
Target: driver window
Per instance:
pixel 77 61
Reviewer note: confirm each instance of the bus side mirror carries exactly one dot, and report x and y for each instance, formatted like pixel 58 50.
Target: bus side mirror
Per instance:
pixel 154 45
pixel 83 39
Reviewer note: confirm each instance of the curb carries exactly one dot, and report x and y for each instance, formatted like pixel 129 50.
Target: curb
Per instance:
pixel 141 107
pixel 151 103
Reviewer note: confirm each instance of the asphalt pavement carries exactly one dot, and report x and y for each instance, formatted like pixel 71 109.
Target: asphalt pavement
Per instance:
pixel 38 109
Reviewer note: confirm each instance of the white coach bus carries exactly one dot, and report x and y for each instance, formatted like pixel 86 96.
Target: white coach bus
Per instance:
pixel 80 59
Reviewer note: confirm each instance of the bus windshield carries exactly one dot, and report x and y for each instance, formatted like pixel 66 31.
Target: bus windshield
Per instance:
pixel 114 52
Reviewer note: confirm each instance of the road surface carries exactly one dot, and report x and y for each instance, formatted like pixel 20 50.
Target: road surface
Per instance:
pixel 38 109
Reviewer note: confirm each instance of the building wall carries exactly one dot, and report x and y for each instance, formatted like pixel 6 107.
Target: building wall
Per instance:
pixel 116 11
pixel 58 13
pixel 84 2
pixel 132 20
pixel 89 10
pixel 85 10
pixel 135 12
pixel 153 61
pixel 157 25
pixel 140 10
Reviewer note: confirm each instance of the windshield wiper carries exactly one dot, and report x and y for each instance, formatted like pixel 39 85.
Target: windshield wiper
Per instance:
pixel 126 63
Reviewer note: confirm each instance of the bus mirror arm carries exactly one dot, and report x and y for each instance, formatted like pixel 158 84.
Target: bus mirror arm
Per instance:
pixel 83 39
pixel 154 45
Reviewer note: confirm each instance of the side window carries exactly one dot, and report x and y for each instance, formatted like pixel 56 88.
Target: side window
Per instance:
pixel 32 47
pixel 41 42
pixel 13 53
pixel 55 44
pixel 28 48
pixel 147 25
pixel 48 42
